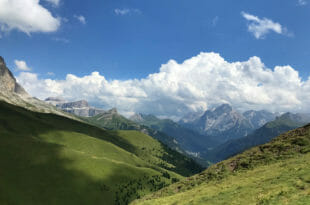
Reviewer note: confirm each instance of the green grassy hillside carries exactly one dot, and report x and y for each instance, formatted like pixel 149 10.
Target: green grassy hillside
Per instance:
pixel 49 159
pixel 274 173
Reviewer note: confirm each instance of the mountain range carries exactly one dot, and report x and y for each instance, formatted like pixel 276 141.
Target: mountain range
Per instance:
pixel 267 132
pixel 225 123
pixel 60 152
pixel 79 108
pixel 248 129
pixel 186 139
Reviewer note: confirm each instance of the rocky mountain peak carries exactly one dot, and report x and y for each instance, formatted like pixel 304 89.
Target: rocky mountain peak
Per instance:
pixel 227 123
pixel 224 108
pixel 8 83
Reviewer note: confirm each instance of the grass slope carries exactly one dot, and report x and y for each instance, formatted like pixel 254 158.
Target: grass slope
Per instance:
pixel 49 159
pixel 274 173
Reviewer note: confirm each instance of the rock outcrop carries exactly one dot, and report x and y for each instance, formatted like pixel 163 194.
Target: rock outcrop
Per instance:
pixel 8 82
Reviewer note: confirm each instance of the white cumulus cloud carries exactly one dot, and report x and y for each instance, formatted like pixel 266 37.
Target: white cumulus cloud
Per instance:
pixel 27 16
pixel 22 65
pixel 80 18
pixel 178 88
pixel 261 27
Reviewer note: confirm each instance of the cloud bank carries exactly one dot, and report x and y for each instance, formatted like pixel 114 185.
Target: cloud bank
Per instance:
pixel 27 16
pixel 261 27
pixel 178 88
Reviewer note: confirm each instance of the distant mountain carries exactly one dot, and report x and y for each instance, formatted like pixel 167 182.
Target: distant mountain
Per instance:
pixel 225 123
pixel 284 123
pixel 188 139
pixel 259 118
pixel 79 108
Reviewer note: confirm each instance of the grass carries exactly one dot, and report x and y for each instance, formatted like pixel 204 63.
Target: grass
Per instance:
pixel 49 159
pixel 286 183
pixel 275 173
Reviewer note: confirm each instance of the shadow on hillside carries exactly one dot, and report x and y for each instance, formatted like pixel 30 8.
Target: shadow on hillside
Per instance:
pixel 16 119
pixel 37 172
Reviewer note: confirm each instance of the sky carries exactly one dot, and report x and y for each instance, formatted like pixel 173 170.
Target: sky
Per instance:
pixel 166 58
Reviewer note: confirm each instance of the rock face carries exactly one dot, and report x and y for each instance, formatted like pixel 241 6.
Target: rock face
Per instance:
pixel 225 123
pixel 79 108
pixel 8 83
pixel 259 118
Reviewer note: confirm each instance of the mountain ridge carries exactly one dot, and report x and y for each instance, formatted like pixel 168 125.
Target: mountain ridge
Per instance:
pixel 283 123
pixel 79 108
pixel 225 123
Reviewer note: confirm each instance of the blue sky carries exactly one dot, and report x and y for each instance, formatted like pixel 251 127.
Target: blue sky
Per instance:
pixel 129 39
pixel 136 44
